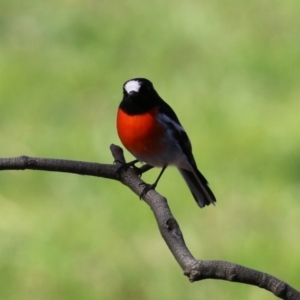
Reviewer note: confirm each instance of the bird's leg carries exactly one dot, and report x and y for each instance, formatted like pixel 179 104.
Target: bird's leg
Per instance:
pixel 145 168
pixel 124 166
pixel 149 187
pixel 129 164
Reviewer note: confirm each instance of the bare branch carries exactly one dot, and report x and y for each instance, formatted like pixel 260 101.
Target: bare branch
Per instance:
pixel 58 165
pixel 194 269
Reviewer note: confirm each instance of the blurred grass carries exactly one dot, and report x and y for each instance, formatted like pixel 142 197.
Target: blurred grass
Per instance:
pixel 231 72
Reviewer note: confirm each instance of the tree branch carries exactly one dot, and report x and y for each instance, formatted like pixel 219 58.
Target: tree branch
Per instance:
pixel 194 269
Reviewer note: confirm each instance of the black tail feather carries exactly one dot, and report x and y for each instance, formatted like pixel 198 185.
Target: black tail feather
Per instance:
pixel 198 186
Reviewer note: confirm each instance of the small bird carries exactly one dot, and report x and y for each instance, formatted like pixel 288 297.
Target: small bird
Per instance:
pixel 150 130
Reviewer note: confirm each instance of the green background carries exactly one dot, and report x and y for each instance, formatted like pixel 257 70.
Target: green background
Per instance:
pixel 230 69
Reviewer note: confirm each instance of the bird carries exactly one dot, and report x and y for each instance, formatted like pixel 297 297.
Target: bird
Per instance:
pixel 150 130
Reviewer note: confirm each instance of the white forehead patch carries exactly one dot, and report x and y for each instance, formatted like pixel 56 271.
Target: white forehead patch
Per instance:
pixel 132 85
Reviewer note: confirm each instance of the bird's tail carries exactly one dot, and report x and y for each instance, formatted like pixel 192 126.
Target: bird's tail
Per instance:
pixel 198 186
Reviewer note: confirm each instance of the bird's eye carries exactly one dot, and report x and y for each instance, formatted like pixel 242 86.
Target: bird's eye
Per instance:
pixel 146 88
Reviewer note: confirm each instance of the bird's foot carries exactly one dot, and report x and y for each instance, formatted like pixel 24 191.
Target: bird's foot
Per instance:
pixel 124 167
pixel 147 188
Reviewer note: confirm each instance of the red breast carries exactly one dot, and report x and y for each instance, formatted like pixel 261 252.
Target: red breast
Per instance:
pixel 140 134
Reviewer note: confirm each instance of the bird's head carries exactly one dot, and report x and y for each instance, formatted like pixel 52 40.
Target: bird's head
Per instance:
pixel 139 95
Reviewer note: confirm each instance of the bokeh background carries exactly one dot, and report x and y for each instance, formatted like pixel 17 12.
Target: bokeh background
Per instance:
pixel 230 69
